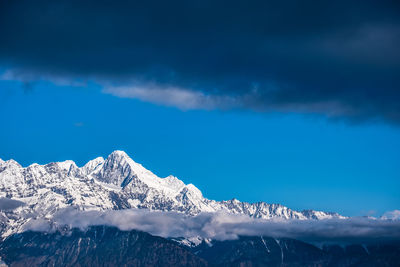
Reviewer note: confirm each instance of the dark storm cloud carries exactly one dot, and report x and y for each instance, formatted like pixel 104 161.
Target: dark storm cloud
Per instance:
pixel 223 226
pixel 337 58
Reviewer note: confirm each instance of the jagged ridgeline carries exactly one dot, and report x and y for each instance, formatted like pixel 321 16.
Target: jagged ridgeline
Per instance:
pixel 114 183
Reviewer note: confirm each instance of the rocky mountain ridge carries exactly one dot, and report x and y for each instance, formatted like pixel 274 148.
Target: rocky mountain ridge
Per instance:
pixel 114 183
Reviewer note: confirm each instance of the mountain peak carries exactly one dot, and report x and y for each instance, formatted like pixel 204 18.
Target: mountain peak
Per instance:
pixel 66 165
pixel 118 154
pixel 92 165
pixel 11 162
pixel 118 182
pixel 116 168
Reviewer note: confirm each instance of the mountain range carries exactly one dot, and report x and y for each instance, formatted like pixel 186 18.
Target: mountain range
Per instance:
pixel 118 184
pixel 115 183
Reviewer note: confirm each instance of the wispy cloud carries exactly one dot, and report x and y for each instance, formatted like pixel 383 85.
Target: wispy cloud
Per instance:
pixel 30 78
pixel 224 226
pixel 392 215
pixel 324 59
pixel 174 97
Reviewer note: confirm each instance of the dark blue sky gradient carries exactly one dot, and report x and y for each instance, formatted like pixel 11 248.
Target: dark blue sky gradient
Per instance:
pixel 304 162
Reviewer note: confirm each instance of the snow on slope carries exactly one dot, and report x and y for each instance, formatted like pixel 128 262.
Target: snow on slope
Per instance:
pixel 114 183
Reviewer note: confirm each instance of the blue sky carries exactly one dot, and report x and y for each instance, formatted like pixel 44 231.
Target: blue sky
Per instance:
pixel 302 161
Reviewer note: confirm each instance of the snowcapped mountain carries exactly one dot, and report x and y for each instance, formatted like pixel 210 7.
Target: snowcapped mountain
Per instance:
pixel 114 183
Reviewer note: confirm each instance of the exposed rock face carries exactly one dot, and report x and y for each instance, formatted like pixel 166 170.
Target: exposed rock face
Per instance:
pixel 265 251
pixel 108 246
pixel 98 246
pixel 114 183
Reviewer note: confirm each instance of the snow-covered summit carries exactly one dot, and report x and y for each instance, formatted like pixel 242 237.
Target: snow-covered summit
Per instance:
pixel 92 165
pixel 116 182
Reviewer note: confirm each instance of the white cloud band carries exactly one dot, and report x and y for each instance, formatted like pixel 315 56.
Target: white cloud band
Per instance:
pixel 224 226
